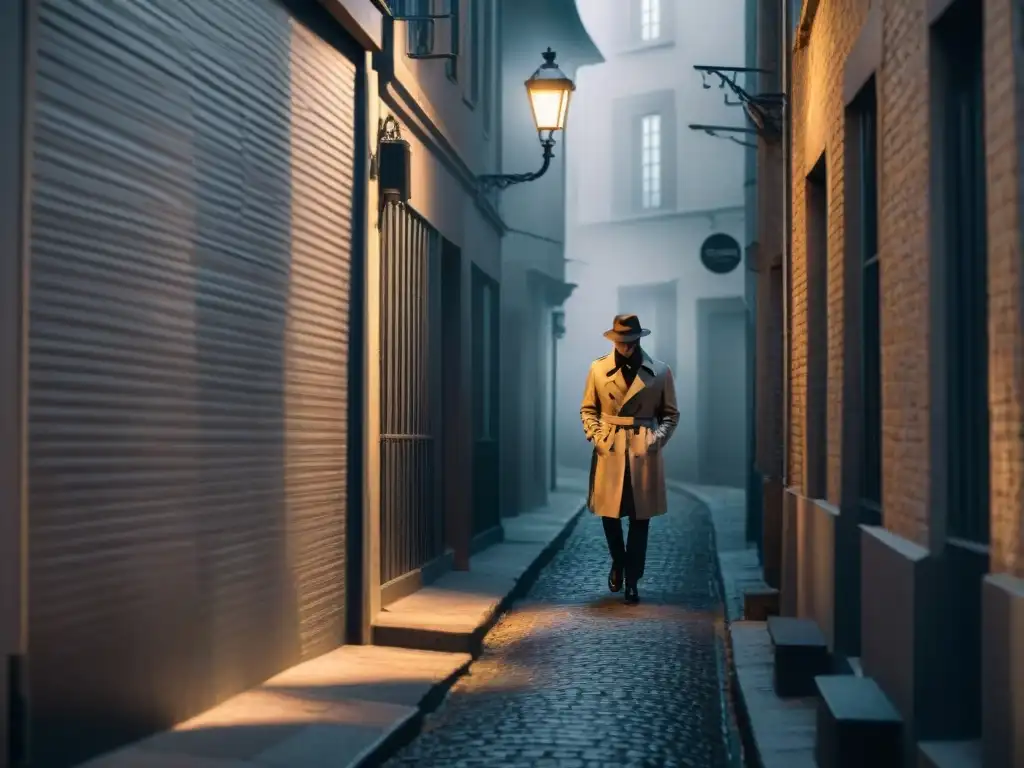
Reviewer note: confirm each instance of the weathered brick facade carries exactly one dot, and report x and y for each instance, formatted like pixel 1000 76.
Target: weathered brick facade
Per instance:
pixel 1004 137
pixel 931 616
pixel 827 32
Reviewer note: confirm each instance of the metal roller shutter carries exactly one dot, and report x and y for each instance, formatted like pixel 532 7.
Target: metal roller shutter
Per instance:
pixel 192 226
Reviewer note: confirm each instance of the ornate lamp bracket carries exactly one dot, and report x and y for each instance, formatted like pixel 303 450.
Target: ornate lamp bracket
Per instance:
pixel 764 111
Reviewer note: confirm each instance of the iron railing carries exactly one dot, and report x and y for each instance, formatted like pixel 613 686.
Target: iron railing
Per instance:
pixel 411 515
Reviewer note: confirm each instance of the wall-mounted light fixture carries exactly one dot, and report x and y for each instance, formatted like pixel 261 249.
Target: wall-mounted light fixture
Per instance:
pixel 558 323
pixel 390 163
pixel 420 20
pixel 549 91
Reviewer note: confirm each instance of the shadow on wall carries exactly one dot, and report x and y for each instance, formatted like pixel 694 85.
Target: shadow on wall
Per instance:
pixel 192 424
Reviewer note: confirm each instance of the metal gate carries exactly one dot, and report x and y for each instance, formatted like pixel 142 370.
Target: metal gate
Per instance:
pixel 411 513
pixel 191 229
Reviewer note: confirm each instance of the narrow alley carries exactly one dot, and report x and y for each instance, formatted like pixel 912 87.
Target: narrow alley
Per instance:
pixel 573 677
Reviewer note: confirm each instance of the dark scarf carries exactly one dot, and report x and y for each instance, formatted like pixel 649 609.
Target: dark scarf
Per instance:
pixel 629 365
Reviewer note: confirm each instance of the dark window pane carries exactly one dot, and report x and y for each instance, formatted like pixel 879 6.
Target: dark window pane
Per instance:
pixel 872 385
pixel 871 339
pixel 960 38
pixel 869 173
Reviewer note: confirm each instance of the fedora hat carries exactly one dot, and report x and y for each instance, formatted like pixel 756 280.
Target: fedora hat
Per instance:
pixel 626 328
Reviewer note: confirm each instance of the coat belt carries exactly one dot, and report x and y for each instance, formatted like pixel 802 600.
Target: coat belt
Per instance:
pixel 628 421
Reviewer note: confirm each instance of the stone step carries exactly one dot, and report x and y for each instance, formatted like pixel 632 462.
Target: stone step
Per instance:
pixel 857 725
pixel 801 654
pixel 949 754
pixel 759 604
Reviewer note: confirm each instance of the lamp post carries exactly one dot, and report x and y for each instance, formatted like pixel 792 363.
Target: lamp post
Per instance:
pixel 549 91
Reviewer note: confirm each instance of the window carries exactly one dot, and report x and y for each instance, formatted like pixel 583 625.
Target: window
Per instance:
pixel 865 114
pixel 650 20
pixel 964 253
pixel 650 161
pixel 816 403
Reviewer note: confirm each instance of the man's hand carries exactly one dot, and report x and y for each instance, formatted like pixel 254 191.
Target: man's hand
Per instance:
pixel 653 440
pixel 604 441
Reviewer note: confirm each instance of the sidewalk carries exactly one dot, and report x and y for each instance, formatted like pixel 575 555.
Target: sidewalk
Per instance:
pixel 776 733
pixel 357 704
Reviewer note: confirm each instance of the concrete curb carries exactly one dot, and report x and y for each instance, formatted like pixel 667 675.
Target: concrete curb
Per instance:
pixel 529 577
pixel 737 707
pixel 406 731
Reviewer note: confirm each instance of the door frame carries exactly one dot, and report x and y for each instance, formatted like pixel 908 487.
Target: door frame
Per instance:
pixel 17 36
pixel 705 309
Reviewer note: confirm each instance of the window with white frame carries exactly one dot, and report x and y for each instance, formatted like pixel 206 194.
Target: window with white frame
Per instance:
pixel 650 161
pixel 650 20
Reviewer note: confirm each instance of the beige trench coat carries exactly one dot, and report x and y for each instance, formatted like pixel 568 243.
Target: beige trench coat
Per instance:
pixel 628 424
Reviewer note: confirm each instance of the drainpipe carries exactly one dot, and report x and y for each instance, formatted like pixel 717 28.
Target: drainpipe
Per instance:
pixel 750 279
pixel 787 212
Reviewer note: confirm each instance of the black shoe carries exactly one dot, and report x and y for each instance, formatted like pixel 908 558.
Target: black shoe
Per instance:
pixel 632 595
pixel 615 579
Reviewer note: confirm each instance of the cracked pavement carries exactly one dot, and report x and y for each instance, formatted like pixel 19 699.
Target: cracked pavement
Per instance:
pixel 573 678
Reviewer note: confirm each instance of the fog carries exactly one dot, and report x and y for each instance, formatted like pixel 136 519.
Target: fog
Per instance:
pixel 644 192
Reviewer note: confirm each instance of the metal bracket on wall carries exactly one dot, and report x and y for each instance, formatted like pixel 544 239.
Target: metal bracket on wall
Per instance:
pixel 420 20
pixel 715 130
pixel 763 110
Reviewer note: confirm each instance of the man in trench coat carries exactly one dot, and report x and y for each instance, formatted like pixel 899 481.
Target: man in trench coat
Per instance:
pixel 628 412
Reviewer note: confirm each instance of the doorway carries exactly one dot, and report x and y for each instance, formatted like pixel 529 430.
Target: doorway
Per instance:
pixel 451 397
pixel 722 396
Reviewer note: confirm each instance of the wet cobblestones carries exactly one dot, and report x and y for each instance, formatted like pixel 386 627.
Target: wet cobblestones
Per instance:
pixel 573 678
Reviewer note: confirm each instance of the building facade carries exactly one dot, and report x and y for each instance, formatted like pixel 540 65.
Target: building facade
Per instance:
pixel 647 194
pixel 892 315
pixel 251 291
pixel 534 284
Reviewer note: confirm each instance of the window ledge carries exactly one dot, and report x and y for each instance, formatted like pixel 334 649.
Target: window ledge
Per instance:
pixel 634 49
pixel 663 214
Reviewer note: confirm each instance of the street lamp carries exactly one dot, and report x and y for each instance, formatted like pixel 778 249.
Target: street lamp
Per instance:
pixel 549 91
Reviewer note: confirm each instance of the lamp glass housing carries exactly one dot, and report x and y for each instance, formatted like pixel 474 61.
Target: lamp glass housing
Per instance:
pixel 549 91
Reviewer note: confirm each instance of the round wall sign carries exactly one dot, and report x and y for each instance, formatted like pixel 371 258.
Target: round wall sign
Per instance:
pixel 721 254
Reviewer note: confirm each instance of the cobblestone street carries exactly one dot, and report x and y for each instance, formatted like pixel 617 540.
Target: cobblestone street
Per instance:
pixel 573 678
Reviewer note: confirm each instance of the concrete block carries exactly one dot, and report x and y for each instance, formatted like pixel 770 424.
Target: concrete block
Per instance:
pixel 1002 674
pixel 857 725
pixel 801 654
pixel 759 604
pixel 949 754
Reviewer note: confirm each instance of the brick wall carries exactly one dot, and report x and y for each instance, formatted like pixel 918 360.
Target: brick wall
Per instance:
pixel 818 121
pixel 1004 101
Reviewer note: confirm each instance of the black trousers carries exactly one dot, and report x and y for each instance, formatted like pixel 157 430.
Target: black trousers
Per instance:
pixel 629 554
